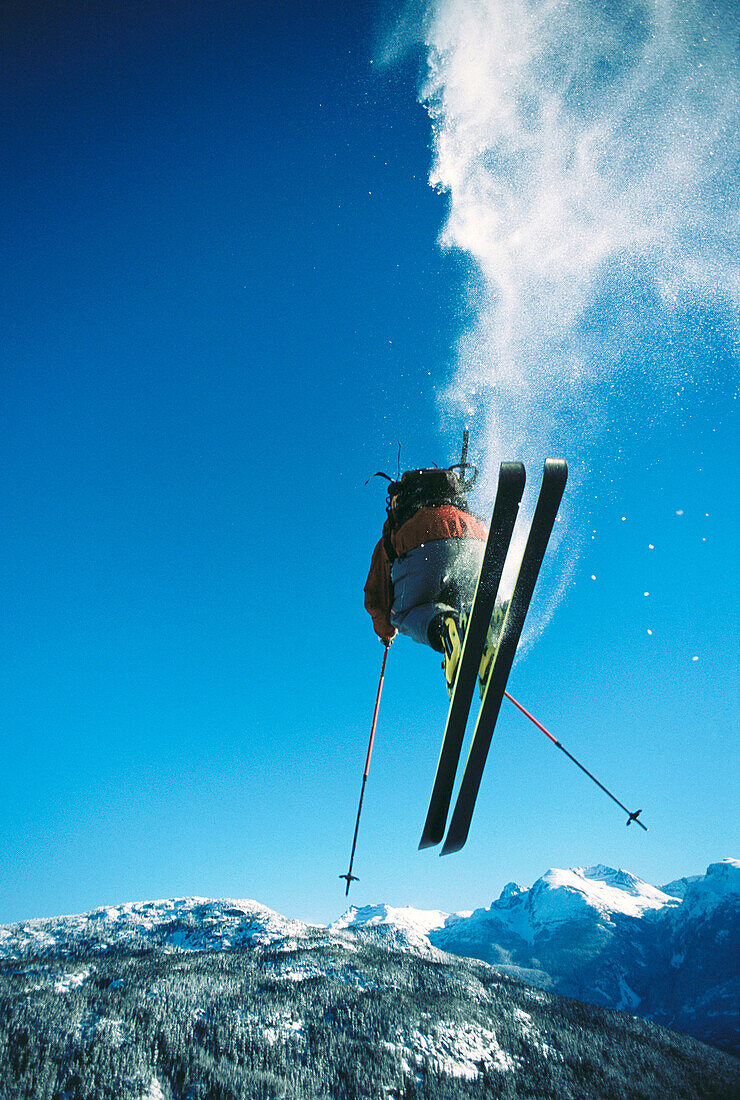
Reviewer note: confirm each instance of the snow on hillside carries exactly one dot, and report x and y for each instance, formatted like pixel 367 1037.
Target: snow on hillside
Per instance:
pixel 721 878
pixel 404 927
pixel 567 895
pixel 706 892
pixel 559 897
pixel 194 924
pixel 600 897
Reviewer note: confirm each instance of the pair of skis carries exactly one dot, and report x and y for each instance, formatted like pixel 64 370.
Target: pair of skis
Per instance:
pixel 508 497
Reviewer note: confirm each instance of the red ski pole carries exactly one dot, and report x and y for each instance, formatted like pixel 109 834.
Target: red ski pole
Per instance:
pixel 631 816
pixel 349 876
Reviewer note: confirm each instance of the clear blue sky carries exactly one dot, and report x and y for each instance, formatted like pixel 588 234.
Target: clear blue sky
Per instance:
pixel 223 305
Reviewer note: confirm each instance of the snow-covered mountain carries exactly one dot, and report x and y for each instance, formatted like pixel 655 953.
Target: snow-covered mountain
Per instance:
pixel 596 934
pixel 191 1000
pixel 604 936
pixel 189 924
pixel 406 928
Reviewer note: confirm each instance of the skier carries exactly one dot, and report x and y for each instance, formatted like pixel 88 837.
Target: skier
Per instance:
pixel 425 567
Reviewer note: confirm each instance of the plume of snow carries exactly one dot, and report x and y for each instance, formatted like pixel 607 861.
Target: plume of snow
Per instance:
pixel 588 149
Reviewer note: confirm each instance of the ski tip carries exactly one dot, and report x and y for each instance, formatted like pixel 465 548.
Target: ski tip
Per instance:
pixel 513 472
pixel 451 846
pixel 557 468
pixel 429 840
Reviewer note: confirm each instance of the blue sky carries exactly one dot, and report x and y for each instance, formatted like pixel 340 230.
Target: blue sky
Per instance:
pixel 224 305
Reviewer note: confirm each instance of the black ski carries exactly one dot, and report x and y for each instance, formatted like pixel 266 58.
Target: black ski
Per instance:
pixel 508 495
pixel 553 485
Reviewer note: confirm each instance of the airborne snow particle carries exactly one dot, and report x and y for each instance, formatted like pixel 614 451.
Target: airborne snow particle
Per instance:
pixel 646 593
pixel 650 631
pixel 650 546
pixel 593 576
pixel 694 658
pixel 679 511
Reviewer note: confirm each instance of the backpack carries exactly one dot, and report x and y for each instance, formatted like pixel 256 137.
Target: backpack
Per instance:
pixel 429 488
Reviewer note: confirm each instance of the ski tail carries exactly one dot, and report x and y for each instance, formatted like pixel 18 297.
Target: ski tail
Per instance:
pixel 553 485
pixel 508 496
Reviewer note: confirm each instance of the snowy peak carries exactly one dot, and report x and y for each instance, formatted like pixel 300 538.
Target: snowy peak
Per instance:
pixel 721 883
pixel 606 936
pixel 560 898
pixel 422 920
pixel 577 893
pixel 510 891
pixel 189 924
pixel 403 927
pixel 678 887
pixel 725 875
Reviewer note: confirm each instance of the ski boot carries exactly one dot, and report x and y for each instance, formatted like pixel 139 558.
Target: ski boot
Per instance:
pixel 449 631
pixel 492 640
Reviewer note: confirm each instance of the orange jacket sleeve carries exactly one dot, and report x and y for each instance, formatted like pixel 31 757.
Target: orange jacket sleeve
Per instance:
pixel 379 593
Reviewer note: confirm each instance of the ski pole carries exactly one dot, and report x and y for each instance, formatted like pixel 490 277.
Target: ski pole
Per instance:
pixel 349 876
pixel 630 815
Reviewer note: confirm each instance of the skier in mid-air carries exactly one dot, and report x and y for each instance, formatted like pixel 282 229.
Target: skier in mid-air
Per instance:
pixel 435 575
pixel 425 567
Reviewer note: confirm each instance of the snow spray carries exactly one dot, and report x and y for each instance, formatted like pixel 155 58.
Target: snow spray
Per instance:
pixel 588 151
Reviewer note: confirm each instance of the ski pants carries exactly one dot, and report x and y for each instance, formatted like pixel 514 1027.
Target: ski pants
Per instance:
pixel 438 576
